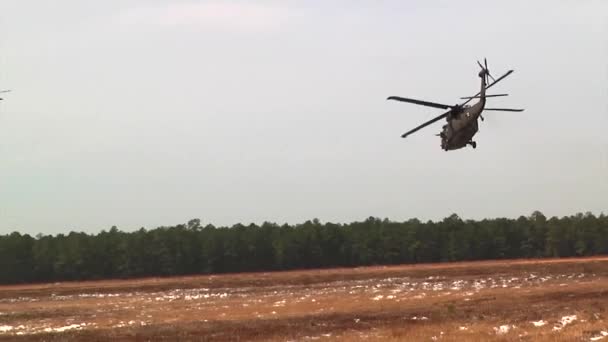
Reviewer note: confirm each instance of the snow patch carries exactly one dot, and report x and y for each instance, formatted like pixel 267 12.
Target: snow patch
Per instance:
pixel 98 295
pixel 539 323
pixel 62 329
pixel 434 338
pixel 600 336
pixel 279 303
pixel 503 329
pixel 564 321
pixel 458 284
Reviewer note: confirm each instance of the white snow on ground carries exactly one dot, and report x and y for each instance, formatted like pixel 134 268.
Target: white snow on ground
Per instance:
pixel 177 294
pixel 539 323
pixel 458 284
pixel 279 303
pixel 564 321
pixel 67 327
pixel 20 299
pixel 390 288
pixel 600 336
pixel 188 294
pixel 193 297
pixel 503 329
pixel 104 295
pixel 434 338
pixel 37 329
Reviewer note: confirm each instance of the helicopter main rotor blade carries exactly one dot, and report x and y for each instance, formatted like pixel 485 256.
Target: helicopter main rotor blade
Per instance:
pixel 504 109
pixel 426 124
pixel 477 96
pixel 485 62
pixel 498 79
pixel 419 102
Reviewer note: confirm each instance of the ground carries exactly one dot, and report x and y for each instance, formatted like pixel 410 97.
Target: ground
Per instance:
pixel 530 300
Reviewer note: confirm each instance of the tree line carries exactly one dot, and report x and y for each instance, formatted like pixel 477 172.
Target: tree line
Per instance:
pixel 192 248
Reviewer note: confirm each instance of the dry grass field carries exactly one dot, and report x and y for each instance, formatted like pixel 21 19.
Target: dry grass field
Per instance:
pixel 517 300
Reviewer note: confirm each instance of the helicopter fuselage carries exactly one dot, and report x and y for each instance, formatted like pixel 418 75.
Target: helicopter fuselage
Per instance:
pixel 461 127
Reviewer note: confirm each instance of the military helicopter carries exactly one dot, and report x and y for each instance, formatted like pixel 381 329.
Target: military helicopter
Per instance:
pixel 461 118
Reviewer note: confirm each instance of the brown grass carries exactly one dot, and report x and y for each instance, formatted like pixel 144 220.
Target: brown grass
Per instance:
pixel 464 301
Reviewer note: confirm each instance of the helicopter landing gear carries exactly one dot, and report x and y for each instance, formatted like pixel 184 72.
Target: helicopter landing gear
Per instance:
pixel 473 144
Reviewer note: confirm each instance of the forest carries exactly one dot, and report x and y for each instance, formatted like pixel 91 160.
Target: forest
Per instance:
pixel 193 248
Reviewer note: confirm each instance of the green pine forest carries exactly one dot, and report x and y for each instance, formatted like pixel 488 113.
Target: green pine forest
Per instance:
pixel 194 248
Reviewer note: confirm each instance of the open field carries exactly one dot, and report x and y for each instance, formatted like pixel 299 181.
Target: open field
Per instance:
pixel 534 300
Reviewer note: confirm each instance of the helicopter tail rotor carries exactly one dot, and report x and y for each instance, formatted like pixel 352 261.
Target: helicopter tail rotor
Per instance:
pixel 485 61
pixel 485 72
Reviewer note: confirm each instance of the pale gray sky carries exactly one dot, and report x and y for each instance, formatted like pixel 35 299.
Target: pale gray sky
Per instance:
pixel 146 113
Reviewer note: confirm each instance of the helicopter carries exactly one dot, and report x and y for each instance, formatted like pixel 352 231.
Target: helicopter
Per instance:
pixel 462 124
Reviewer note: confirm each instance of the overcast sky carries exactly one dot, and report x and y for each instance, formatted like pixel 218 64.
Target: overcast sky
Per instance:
pixel 144 113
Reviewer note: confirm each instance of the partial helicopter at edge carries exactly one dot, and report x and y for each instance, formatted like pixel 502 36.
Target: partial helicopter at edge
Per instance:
pixel 461 119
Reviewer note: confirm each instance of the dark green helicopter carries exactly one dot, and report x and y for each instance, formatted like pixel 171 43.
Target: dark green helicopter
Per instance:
pixel 3 91
pixel 461 118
